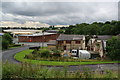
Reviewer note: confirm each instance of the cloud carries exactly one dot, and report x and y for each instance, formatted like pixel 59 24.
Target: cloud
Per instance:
pixel 55 13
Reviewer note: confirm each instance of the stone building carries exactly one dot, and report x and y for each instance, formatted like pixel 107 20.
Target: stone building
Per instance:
pixel 98 44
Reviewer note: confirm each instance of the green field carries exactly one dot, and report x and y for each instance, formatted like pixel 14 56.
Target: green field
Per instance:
pixel 20 57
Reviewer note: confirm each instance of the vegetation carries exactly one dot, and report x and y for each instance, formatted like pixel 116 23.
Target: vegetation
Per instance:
pixel 107 28
pixel 21 57
pixel 25 71
pixel 7 37
pixel 44 53
pixel 113 48
pixel 15 45
pixel 6 41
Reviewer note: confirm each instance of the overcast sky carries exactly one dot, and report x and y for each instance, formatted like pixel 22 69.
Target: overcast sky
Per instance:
pixel 55 13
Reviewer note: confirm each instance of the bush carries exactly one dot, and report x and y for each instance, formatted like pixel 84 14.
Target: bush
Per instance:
pixel 45 53
pixel 29 56
pixel 56 51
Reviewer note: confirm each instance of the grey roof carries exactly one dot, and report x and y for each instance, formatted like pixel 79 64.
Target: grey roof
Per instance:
pixel 52 31
pixel 104 37
pixel 69 37
pixel 52 42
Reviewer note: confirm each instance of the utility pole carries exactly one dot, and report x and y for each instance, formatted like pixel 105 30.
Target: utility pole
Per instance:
pixel 43 39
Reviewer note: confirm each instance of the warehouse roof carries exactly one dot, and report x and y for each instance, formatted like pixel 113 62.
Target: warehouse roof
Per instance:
pixel 38 34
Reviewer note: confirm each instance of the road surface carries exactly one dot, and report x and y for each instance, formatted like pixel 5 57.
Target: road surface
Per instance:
pixel 8 55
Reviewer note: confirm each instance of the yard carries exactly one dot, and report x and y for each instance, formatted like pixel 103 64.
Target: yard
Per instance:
pixel 21 57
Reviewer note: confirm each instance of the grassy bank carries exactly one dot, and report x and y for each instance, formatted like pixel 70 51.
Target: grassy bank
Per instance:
pixel 20 57
pixel 25 70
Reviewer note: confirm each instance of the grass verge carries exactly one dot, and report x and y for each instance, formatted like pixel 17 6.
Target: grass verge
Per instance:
pixel 20 57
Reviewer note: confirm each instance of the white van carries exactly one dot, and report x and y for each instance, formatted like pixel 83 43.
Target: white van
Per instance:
pixel 82 54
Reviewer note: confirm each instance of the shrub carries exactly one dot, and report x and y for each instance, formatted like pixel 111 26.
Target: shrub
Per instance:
pixel 56 51
pixel 45 53
pixel 29 56
pixel 35 51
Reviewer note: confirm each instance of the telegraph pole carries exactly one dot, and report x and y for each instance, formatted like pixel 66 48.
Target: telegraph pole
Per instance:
pixel 43 38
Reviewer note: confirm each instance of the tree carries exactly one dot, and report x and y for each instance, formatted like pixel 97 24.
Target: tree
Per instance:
pixel 91 29
pixel 116 28
pixel 5 44
pixel 61 31
pixel 96 28
pixel 113 48
pixel 106 29
pixel 7 37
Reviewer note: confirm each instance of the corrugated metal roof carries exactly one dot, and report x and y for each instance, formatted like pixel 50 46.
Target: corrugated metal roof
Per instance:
pixel 38 34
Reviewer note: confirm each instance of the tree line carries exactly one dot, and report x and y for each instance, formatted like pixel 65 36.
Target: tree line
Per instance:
pixel 96 28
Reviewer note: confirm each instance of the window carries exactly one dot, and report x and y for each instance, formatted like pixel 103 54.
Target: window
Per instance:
pixel 60 42
pixel 77 42
pixel 68 42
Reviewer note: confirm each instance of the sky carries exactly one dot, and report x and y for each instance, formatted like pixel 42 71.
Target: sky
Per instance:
pixel 59 13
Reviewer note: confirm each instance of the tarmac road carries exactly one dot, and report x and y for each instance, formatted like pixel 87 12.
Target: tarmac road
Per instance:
pixel 9 55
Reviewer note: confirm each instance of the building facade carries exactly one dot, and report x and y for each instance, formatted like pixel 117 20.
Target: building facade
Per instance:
pixel 69 42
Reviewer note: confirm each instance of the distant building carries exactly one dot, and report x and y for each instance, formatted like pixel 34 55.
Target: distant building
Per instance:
pixel 52 31
pixel 22 31
pixel 39 37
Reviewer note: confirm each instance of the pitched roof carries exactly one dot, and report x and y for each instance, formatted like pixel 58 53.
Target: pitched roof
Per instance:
pixel 69 37
pixel 104 37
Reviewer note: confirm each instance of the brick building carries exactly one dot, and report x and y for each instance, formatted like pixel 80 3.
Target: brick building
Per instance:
pixel 39 37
